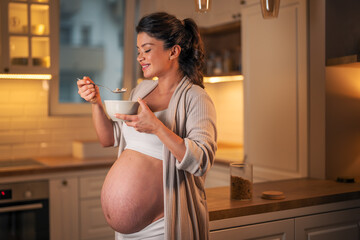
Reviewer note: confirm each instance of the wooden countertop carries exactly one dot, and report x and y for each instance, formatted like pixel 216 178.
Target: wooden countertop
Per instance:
pixel 298 192
pixel 58 164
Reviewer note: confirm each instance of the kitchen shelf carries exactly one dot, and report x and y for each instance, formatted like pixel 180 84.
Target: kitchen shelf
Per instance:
pixel 351 60
pixel 221 29
pixel 222 45
pixel 224 78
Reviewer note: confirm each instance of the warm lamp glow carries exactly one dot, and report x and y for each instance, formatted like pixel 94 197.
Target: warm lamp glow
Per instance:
pixel 223 79
pixel 26 76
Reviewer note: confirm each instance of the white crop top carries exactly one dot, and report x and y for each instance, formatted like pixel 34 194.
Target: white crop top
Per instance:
pixel 145 143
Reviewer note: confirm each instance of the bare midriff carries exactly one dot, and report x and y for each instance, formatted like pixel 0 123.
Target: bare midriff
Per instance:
pixel 132 193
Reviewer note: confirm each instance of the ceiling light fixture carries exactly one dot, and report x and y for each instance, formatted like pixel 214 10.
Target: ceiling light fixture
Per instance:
pixel 202 6
pixel 270 8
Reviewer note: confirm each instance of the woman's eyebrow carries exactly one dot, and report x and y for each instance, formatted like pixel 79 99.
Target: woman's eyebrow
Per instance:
pixel 146 44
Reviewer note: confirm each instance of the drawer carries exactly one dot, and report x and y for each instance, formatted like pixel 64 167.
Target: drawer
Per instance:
pixel 90 186
pixel 92 221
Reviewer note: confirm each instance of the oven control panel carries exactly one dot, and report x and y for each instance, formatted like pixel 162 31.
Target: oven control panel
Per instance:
pixel 24 191
pixel 5 194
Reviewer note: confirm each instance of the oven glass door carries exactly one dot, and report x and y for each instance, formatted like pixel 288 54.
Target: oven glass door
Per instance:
pixel 25 220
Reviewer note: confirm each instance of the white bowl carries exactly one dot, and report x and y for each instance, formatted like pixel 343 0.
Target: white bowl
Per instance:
pixel 120 106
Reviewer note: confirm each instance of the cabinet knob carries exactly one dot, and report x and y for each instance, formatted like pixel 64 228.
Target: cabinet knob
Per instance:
pixel 64 183
pixel 6 70
pixel 242 2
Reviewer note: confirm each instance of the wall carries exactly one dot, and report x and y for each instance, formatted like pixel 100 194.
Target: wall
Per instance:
pixel 228 98
pixel 342 121
pixel 26 130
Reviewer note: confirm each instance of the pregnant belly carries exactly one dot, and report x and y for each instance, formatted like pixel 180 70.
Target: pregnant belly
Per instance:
pixel 132 193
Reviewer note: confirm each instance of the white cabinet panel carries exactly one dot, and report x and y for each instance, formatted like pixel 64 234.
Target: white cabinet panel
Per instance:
pixel 275 80
pixel 265 231
pixel 90 186
pixel 92 222
pixel 64 217
pixel 344 225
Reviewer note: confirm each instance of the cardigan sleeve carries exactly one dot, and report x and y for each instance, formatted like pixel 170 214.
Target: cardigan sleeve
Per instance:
pixel 201 134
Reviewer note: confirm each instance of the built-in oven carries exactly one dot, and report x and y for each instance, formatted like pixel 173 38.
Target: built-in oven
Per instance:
pixel 24 211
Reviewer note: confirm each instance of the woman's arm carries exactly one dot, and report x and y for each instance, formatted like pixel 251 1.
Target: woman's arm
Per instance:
pixel 195 152
pixel 103 125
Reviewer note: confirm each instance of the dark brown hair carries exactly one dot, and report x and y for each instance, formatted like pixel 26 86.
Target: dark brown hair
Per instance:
pixel 172 31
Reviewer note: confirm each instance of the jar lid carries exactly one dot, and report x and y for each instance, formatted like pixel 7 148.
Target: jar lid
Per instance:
pixel 273 195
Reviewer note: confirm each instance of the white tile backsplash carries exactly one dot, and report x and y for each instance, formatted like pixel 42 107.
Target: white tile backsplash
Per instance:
pixel 5 152
pixel 11 110
pixel 11 137
pixel 26 150
pixel 26 129
pixel 23 123
pixel 5 124
pixel 37 135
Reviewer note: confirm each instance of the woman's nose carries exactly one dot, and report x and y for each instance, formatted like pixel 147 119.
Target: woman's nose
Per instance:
pixel 140 57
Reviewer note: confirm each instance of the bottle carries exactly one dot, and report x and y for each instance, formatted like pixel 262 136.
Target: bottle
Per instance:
pixel 218 69
pixel 227 62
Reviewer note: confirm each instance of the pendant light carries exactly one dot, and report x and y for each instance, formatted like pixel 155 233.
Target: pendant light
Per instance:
pixel 202 6
pixel 270 8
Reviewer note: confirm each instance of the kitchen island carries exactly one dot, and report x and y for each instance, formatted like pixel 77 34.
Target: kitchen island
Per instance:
pixel 307 203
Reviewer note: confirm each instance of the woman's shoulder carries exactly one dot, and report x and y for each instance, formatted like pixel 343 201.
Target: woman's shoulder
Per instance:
pixel 196 90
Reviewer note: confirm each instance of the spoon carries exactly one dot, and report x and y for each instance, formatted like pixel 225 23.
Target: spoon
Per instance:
pixel 117 90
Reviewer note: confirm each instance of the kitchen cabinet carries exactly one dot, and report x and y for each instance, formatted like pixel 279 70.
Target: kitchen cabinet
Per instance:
pixel 274 230
pixel 27 39
pixel 329 226
pixel 222 49
pixel 75 208
pixel 92 221
pixel 274 63
pixel 219 13
pixel 300 224
pixel 64 205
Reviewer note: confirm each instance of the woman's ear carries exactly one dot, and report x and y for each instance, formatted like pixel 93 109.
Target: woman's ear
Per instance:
pixel 175 52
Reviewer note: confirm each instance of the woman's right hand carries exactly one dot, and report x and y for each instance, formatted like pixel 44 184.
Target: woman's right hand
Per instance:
pixel 88 90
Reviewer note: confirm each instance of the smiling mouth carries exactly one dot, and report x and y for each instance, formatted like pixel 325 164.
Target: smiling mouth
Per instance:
pixel 145 66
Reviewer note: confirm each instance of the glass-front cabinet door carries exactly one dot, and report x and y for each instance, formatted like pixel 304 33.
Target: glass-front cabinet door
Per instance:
pixel 26 33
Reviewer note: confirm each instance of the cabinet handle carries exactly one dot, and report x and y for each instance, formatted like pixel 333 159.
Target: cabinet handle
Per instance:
pixel 21 207
pixel 6 70
pixel 64 182
pixel 242 2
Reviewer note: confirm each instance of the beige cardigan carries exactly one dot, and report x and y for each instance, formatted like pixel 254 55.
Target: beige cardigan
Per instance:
pixel 191 115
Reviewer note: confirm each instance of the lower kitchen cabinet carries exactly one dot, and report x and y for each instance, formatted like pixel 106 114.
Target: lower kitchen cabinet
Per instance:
pixel 332 225
pixel 75 208
pixel 92 221
pixel 344 225
pixel 273 230
pixel 64 205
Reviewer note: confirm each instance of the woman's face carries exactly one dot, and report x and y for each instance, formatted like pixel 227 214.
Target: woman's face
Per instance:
pixel 153 58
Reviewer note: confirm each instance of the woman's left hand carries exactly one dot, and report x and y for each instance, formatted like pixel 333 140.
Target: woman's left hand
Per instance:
pixel 145 121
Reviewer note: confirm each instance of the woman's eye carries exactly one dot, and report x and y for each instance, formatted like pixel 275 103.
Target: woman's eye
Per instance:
pixel 148 50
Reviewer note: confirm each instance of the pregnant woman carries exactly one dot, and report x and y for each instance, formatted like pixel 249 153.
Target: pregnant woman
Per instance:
pixel 155 189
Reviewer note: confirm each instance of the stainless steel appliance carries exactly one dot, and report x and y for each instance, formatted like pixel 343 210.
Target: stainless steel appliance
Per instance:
pixel 24 211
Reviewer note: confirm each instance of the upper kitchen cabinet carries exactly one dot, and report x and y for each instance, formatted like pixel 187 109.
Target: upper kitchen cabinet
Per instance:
pixel 220 29
pixel 275 90
pixel 220 12
pixel 26 40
